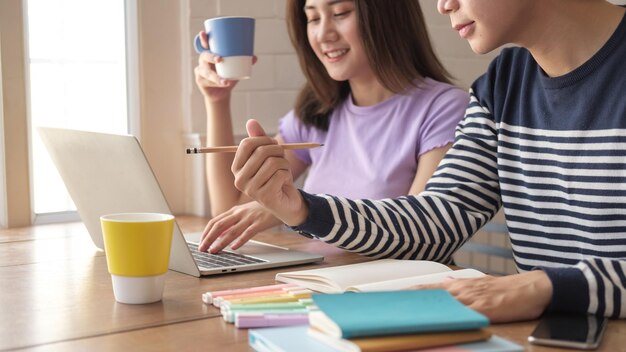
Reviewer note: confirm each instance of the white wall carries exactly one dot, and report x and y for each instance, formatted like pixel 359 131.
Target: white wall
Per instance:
pixel 276 77
pixel 161 105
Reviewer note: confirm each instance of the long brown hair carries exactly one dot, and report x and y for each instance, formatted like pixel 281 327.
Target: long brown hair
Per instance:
pixel 395 40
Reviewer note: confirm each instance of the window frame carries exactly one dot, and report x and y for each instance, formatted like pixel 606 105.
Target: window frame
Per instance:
pixel 16 209
pixel 3 176
pixel 132 96
pixel 14 205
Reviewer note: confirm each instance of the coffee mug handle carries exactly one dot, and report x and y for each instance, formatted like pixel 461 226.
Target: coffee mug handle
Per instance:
pixel 198 44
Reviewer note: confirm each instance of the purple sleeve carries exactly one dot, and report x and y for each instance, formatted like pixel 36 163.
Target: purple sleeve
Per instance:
pixel 445 112
pixel 292 130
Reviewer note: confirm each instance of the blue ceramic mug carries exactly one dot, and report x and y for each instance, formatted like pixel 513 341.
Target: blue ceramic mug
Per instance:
pixel 232 38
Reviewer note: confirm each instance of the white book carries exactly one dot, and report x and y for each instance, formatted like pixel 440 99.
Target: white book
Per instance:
pixel 377 275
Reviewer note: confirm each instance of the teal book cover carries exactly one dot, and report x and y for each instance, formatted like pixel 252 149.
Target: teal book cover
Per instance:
pixel 285 339
pixel 363 314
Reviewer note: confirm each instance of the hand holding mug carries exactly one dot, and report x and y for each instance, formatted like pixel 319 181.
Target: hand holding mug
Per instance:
pixel 214 77
pixel 210 84
pixel 232 40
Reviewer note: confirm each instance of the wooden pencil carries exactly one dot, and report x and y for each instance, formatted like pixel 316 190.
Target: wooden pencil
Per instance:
pixel 233 148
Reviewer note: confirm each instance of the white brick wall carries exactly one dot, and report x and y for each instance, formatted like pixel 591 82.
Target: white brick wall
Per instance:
pixel 276 77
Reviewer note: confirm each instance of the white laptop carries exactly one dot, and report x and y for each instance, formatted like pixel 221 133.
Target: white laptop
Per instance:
pixel 108 173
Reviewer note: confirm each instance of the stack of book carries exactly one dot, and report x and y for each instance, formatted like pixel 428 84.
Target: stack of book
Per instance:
pixel 384 321
pixel 394 321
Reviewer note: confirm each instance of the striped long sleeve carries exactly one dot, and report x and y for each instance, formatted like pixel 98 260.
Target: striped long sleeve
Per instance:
pixel 550 151
pixel 584 262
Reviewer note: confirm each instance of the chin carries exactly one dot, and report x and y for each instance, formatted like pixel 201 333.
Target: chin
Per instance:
pixel 339 77
pixel 481 49
pixel 482 45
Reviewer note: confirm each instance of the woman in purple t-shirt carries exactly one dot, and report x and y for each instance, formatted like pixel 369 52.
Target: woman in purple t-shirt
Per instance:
pixel 376 96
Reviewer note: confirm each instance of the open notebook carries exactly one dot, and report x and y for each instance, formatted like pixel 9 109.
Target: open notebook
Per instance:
pixel 377 275
pixel 108 173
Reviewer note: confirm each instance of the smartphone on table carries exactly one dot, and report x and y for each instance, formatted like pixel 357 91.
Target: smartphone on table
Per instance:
pixel 569 330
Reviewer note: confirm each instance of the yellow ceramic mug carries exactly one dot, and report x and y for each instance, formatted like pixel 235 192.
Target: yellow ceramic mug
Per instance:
pixel 137 247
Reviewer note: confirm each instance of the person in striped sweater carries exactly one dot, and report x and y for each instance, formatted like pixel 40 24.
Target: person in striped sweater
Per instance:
pixel 544 137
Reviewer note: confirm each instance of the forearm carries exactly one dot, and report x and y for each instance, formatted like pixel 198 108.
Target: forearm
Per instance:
pixel 406 227
pixel 222 193
pixel 594 286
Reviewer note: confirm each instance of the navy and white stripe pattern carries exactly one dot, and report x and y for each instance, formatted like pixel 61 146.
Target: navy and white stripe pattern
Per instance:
pixel 544 149
pixel 560 210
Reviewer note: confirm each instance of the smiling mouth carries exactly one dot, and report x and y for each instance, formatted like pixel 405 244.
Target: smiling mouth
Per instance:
pixel 335 53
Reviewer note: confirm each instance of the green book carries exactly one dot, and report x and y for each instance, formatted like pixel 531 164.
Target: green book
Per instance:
pixel 363 314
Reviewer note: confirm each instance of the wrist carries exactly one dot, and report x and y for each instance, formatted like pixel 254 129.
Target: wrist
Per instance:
pixel 300 214
pixel 542 285
pixel 211 101
pixel 540 289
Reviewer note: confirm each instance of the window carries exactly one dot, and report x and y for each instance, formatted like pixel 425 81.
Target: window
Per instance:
pixel 3 193
pixel 77 64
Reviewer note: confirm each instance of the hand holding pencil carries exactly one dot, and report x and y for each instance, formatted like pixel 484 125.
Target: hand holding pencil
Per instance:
pixel 233 148
pixel 263 173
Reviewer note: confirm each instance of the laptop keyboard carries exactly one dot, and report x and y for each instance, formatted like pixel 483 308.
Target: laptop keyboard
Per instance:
pixel 222 259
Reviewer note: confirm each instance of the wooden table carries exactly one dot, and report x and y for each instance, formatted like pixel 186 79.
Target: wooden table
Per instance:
pixel 56 294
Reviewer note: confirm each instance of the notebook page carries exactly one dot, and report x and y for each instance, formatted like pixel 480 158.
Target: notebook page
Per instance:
pixel 338 278
pixel 408 282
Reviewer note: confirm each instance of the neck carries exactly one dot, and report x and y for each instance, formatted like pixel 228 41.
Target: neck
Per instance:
pixel 369 93
pixel 567 33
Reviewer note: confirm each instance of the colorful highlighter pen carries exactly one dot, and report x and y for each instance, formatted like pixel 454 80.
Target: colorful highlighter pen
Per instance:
pixel 284 297
pixel 263 306
pixel 263 320
pixel 217 301
pixel 208 297
pixel 231 316
pixel 298 303
pixel 267 299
